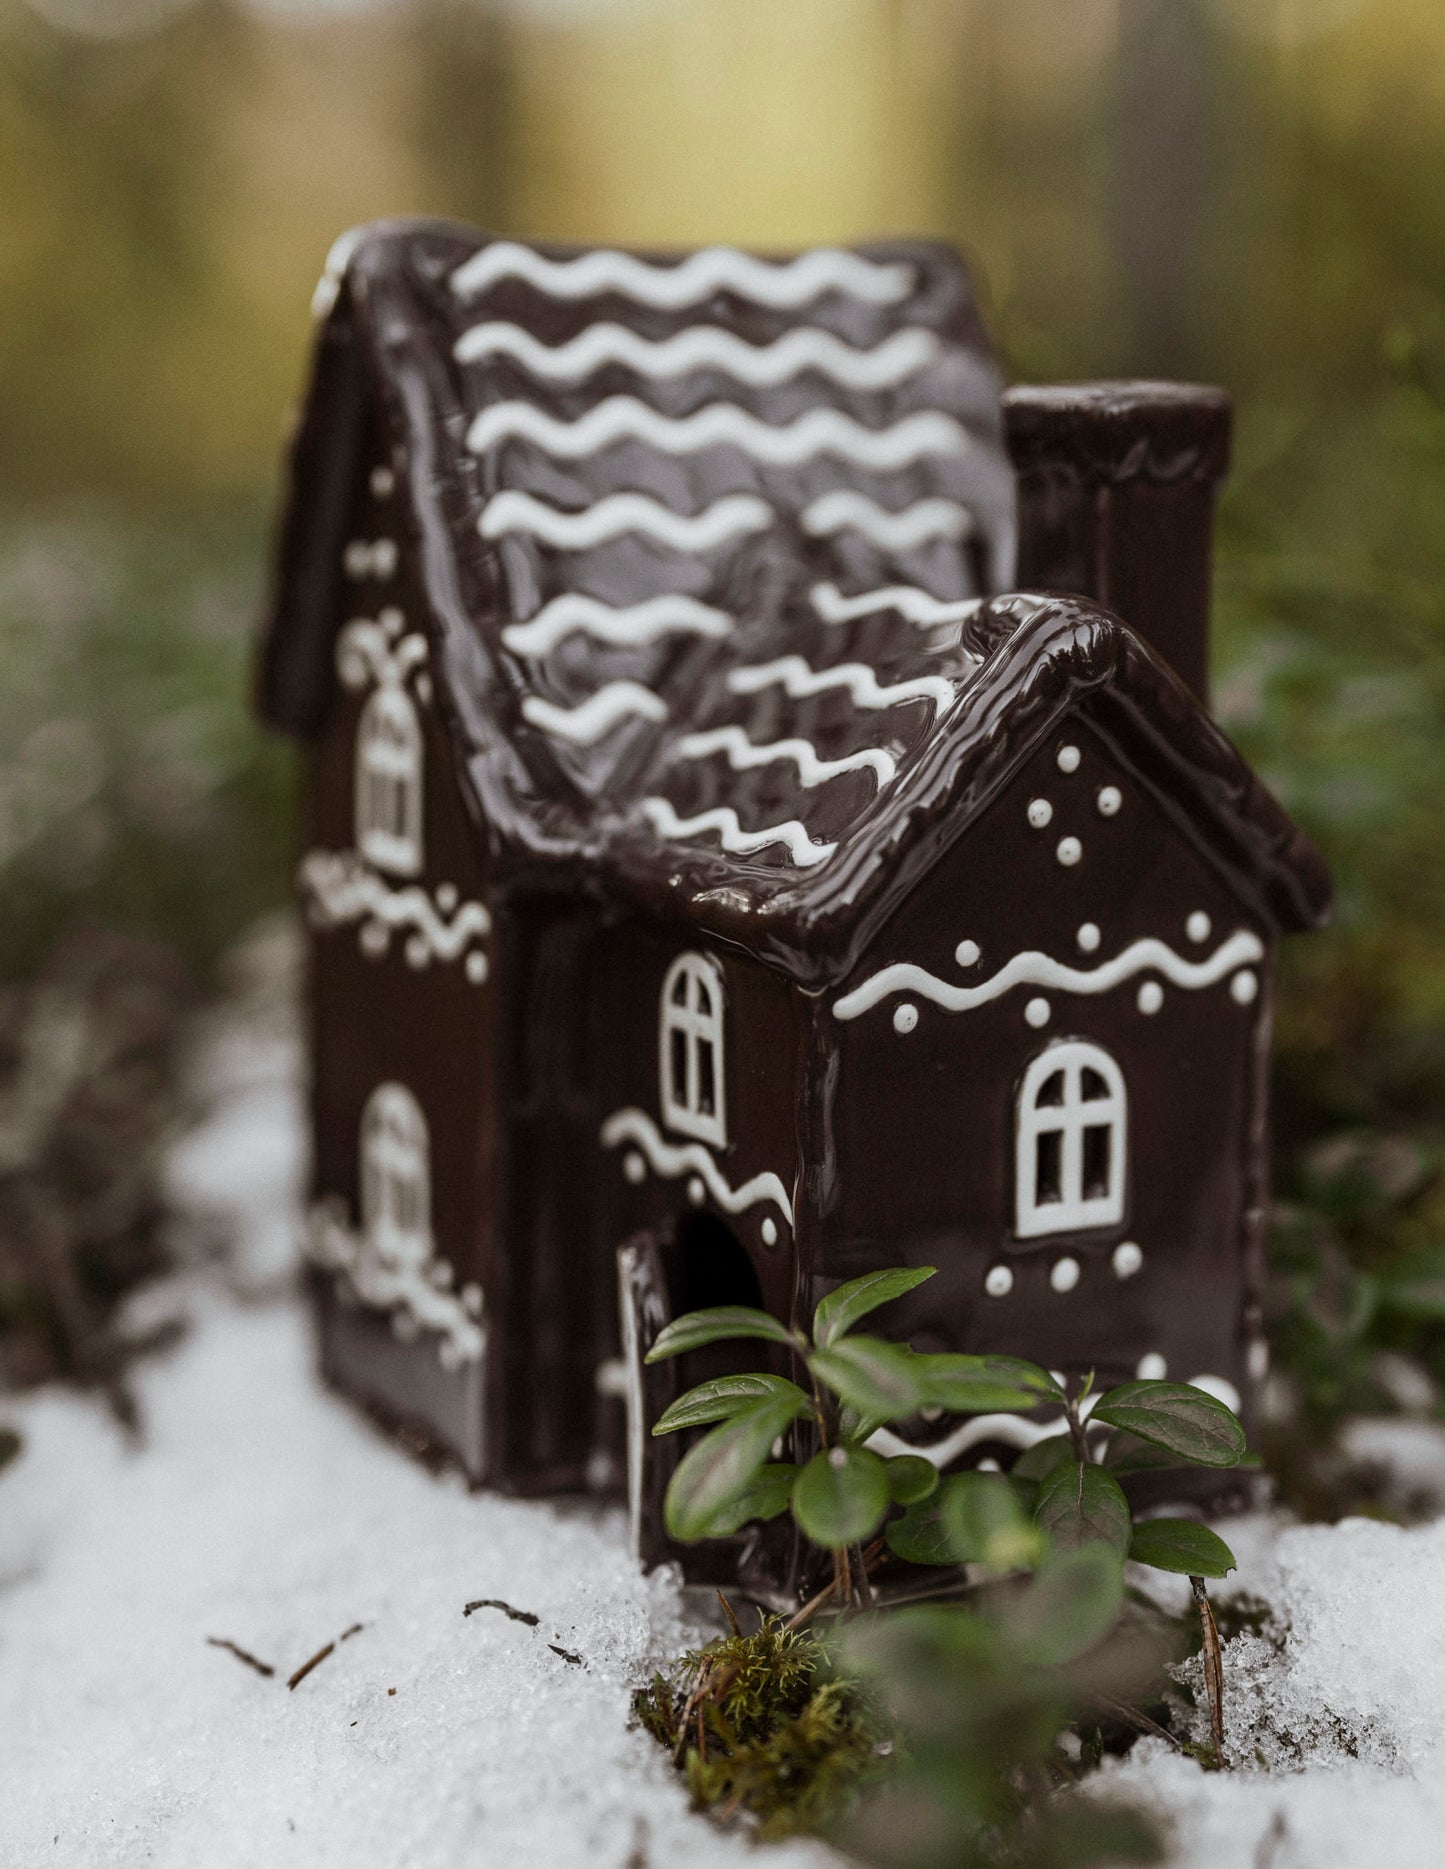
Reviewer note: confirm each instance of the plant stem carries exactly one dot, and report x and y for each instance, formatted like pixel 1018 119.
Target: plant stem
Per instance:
pixel 1213 1667
pixel 1076 1430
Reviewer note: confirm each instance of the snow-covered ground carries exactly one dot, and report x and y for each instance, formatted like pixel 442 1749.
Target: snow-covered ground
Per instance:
pixel 263 1512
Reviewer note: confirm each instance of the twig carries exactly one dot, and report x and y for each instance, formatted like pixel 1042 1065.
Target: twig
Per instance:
pixel 241 1654
pixel 306 1666
pixel 728 1612
pixel 495 1602
pixel 566 1654
pixel 1132 1716
pixel 1213 1666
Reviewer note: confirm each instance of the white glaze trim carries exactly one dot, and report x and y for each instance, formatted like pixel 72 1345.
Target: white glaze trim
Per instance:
pixel 630 626
pixel 795 676
pixel 328 286
pixel 338 1248
pixel 781 284
pixel 366 653
pixel 593 719
pixel 691 1158
pixel 625 512
pixel 1009 1429
pixel 898 531
pixel 1034 969
pixel 743 753
pixel 339 888
pixel 720 425
pixel 706 347
pixel 917 606
pixel 724 820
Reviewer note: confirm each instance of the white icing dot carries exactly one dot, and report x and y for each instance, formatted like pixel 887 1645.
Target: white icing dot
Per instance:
pixel 966 953
pixel 1198 926
pixel 374 938
pixel 634 1167
pixel 1088 937
pixel 999 1282
pixel 392 620
pixel 1065 1274
pixel 1037 1012
pixel 383 557
pixel 905 1017
pixel 446 897
pixel 1152 1367
pixel 1109 800
pixel 988 1465
pixel 476 967
pixel 356 559
pixel 1068 759
pixel 1151 996
pixel 1128 1259
pixel 1243 987
pixel 422 684
pixel 1040 812
pixel 1258 1359
pixel 1220 1387
pixel 696 1192
pixel 1069 851
pixel 472 1300
pixel 417 952
pixel 382 482
pixel 769 1231
pixel 404 1326
pixel 442 1273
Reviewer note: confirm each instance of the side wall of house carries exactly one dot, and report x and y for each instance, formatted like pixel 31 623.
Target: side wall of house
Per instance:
pixel 1098 975
pixel 392 885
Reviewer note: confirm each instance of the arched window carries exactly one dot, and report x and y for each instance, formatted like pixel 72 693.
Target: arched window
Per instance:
pixel 1071 1141
pixel 388 782
pixel 690 1049
pixel 396 1178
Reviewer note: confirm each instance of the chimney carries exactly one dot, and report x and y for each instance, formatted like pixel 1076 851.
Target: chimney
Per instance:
pixel 1116 485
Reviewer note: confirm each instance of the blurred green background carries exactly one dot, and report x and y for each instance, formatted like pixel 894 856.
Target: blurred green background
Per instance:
pixel 1243 191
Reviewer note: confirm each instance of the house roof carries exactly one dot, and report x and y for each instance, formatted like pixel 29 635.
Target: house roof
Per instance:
pixel 709 543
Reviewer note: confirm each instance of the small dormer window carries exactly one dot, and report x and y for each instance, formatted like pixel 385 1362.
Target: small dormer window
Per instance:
pixel 1070 1142
pixel 388 782
pixel 396 1178
pixel 690 1049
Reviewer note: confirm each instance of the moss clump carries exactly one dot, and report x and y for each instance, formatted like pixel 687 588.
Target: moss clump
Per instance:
pixel 763 1725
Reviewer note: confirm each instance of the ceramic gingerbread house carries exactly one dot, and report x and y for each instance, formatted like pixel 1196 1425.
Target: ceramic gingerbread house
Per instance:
pixel 742 849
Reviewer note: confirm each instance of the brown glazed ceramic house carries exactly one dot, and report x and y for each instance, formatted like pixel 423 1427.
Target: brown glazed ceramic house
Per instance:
pixel 722 880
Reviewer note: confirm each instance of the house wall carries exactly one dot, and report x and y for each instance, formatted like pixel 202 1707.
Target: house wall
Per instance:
pixel 918 1132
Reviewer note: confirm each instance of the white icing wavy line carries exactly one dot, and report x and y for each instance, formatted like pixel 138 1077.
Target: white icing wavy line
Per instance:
pixel 918 606
pixel 674 1158
pixel 625 512
pixel 723 819
pixel 915 525
pixel 630 626
pixel 777 283
pixel 1008 1429
pixel 794 675
pixel 706 347
pixel 337 1247
pixel 594 718
pixel 721 425
pixel 341 888
pixel 1034 969
pixel 812 770
pixel 364 651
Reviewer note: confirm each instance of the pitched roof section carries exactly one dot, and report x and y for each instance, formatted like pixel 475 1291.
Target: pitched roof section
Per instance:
pixel 706 540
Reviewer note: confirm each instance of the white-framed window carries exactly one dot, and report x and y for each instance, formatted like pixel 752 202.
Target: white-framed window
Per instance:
pixel 1070 1141
pixel 690 1049
pixel 388 782
pixel 396 1178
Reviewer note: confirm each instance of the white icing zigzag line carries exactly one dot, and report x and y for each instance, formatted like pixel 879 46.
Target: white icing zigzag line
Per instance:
pixel 595 717
pixel 625 512
pixel 918 606
pixel 364 652
pixel 337 1247
pixel 812 770
pixel 780 284
pixel 629 627
pixel 673 1159
pixel 342 889
pixel 721 425
pixel 895 532
pixel 706 347
pixel 723 819
pixel 798 679
pixel 1034 969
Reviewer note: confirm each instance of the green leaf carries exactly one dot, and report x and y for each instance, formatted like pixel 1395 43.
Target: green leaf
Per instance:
pixel 723 1397
pixel 1181 1545
pixel 717 1325
pixel 923 1535
pixel 979 1385
pixel 1126 1453
pixel 910 1478
pixel 988 1523
pixel 841 1309
pixel 1176 1415
pixel 1038 1462
pixel 841 1495
pixel 1082 1504
pixel 765 1499
pixel 880 1380
pixel 714 1475
pixel 1070 1605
